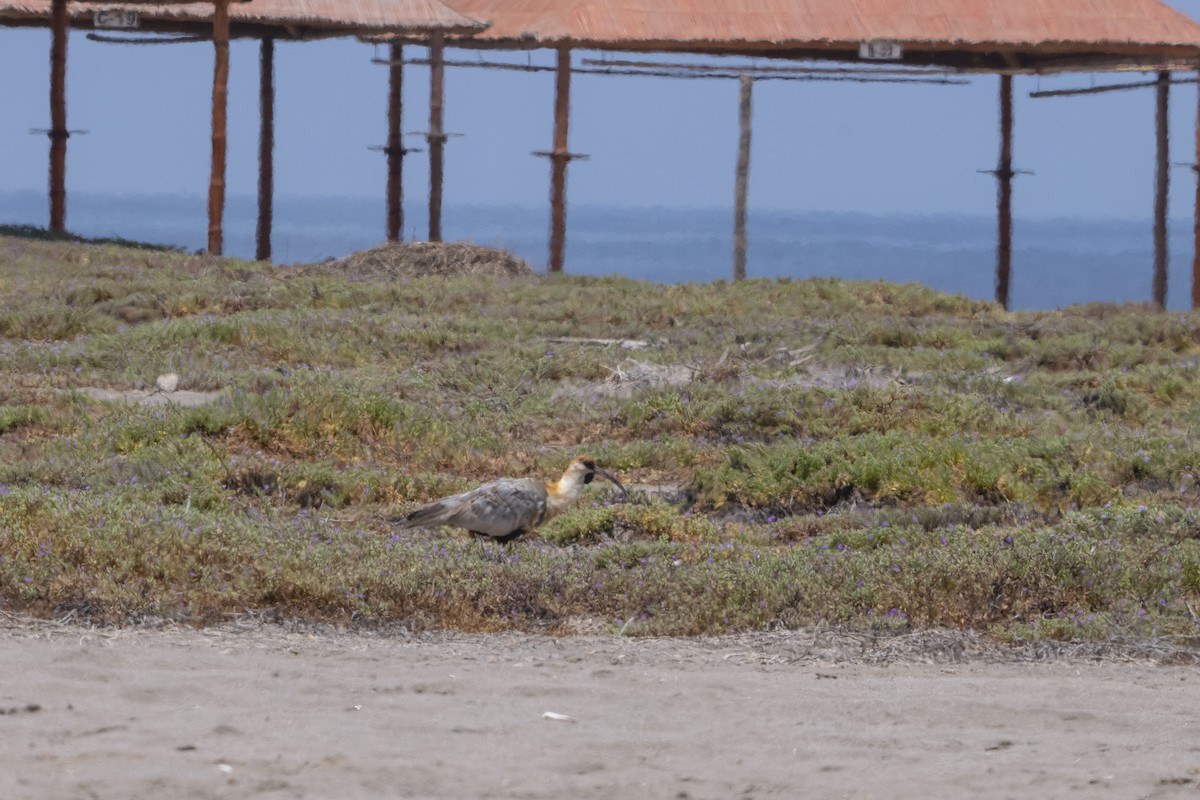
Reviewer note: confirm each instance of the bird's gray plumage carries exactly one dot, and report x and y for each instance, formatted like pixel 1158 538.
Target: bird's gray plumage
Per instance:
pixel 499 509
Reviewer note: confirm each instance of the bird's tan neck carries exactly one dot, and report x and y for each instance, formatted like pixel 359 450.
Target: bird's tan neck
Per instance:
pixel 562 493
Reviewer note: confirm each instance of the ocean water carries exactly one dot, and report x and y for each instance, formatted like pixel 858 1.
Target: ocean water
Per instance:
pixel 1056 262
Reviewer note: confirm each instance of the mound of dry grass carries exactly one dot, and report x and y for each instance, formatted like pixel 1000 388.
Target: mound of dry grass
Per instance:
pixel 420 259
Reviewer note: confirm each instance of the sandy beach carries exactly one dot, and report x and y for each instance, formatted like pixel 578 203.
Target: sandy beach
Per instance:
pixel 252 710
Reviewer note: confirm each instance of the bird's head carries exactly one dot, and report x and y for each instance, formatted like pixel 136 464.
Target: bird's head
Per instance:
pixel 582 471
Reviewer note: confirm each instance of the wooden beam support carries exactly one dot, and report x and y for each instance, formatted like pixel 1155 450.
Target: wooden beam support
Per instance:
pixel 1162 179
pixel 266 148
pixel 715 72
pixel 560 156
pixel 1116 87
pixel 742 182
pixel 220 96
pixel 1196 217
pixel 436 135
pixel 1004 176
pixel 58 133
pixel 395 145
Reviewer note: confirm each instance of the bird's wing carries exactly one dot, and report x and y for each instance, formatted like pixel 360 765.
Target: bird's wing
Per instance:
pixel 497 508
pixel 500 507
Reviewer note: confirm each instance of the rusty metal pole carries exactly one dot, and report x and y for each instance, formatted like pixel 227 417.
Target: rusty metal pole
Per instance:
pixel 742 183
pixel 395 145
pixel 266 148
pixel 436 135
pixel 58 133
pixel 1196 217
pixel 1004 176
pixel 1161 187
pixel 560 157
pixel 220 95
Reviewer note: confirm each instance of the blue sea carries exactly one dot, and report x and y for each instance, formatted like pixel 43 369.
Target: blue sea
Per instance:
pixel 1056 262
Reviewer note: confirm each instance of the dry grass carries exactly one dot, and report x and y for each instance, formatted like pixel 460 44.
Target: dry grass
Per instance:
pixel 397 260
pixel 879 458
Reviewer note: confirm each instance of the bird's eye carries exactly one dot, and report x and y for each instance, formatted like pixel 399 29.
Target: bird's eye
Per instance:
pixel 589 478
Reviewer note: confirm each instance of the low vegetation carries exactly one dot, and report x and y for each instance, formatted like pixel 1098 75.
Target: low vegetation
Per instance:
pixel 866 455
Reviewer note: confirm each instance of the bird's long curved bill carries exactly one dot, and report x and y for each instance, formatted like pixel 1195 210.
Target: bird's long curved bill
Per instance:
pixel 610 478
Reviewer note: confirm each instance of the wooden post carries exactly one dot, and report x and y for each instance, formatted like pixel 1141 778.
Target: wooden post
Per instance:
pixel 395 145
pixel 216 184
pixel 266 147
pixel 1004 176
pixel 58 133
pixel 436 135
pixel 1161 186
pixel 1196 217
pixel 742 182
pixel 560 156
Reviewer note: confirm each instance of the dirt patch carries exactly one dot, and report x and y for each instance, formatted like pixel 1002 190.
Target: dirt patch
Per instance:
pixel 843 377
pixel 396 260
pixel 152 397
pixel 252 710
pixel 628 378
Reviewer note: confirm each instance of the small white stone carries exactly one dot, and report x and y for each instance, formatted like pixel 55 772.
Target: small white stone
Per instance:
pixel 167 383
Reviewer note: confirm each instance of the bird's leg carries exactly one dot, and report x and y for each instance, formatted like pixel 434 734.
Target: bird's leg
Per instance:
pixel 487 552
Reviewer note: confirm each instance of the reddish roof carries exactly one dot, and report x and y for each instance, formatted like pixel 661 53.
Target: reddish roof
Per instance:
pixel 826 22
pixel 411 14
pixel 338 15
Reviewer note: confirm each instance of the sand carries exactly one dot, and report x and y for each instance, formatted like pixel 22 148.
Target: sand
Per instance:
pixel 263 711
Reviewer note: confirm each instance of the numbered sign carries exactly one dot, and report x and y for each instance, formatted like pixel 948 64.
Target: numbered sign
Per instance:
pixel 880 50
pixel 122 18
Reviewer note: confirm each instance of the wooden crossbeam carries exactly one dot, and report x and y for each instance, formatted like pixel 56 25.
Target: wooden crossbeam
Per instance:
pixel 726 74
pixel 755 68
pixel 110 39
pixel 1112 87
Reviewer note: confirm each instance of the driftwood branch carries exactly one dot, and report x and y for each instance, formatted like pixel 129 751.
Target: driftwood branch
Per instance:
pixel 627 344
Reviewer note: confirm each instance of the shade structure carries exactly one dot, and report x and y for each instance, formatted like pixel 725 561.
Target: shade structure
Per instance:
pixel 1007 37
pixel 284 19
pixel 995 34
pixel 268 19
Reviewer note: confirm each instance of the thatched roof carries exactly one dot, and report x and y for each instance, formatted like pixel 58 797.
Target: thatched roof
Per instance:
pixel 373 14
pixel 1094 27
pixel 300 17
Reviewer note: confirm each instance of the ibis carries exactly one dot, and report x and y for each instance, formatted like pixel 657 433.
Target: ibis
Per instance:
pixel 510 507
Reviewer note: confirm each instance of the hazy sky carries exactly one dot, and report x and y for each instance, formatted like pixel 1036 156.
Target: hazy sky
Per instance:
pixel 653 141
